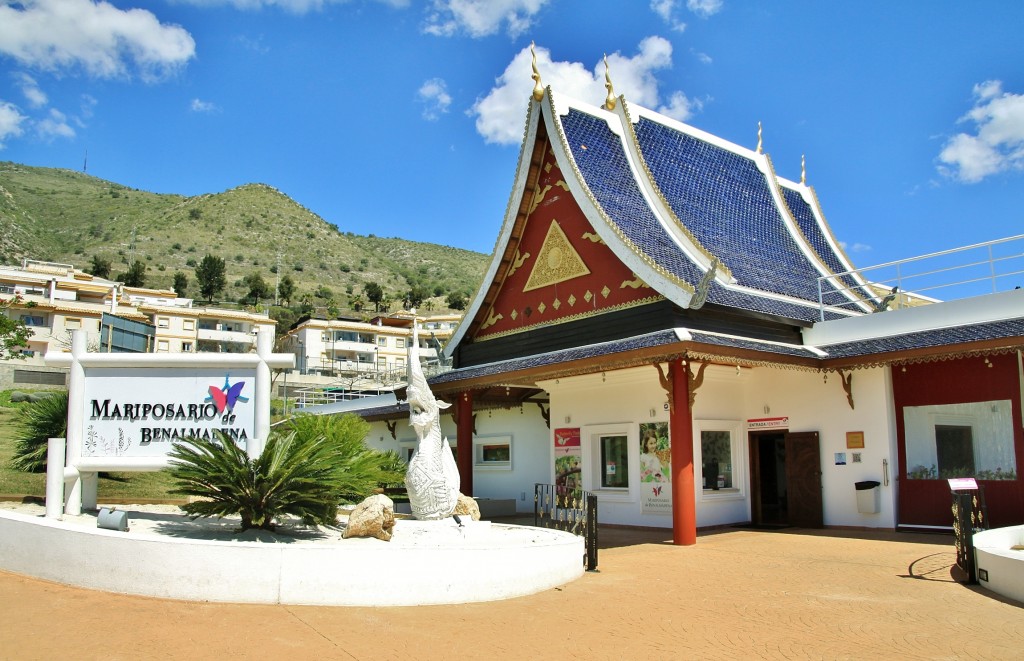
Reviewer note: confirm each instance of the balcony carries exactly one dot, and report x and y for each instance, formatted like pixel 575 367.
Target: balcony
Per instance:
pixel 975 270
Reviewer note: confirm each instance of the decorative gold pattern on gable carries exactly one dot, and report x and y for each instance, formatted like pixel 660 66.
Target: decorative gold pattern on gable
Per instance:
pixel 491 319
pixel 635 283
pixel 590 236
pixel 556 262
pixel 517 261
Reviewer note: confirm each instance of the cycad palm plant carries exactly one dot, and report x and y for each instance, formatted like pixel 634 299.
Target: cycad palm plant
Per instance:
pixel 39 421
pixel 304 471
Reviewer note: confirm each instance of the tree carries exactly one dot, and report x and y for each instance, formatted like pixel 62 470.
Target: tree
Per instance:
pixel 210 276
pixel 43 419
pixel 14 333
pixel 304 471
pixel 286 289
pixel 374 293
pixel 416 296
pixel 135 276
pixel 258 288
pixel 180 284
pixel 100 267
pixel 456 300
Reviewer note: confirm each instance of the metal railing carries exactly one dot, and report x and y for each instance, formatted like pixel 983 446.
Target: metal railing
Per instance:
pixel 982 268
pixel 569 509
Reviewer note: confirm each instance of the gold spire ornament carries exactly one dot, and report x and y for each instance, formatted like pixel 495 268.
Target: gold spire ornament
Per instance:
pixel 609 101
pixel 803 169
pixel 759 149
pixel 538 88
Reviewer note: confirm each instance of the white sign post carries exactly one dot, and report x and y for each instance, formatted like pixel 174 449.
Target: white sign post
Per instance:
pixel 126 410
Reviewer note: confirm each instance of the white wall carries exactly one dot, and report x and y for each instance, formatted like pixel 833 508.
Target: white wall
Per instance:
pixel 531 442
pixel 812 404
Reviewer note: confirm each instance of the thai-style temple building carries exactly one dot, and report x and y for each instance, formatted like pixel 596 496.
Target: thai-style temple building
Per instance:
pixel 669 324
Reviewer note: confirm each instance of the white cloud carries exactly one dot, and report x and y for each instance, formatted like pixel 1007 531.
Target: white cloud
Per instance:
pixel 10 121
pixel 480 18
pixel 703 58
pixel 997 143
pixel 103 40
pixel 55 125
pixel 30 88
pixel 499 115
pixel 199 105
pixel 667 10
pixel 434 96
pixel 856 247
pixel 704 8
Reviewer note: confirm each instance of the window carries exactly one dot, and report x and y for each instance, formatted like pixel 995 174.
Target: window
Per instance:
pixel 162 345
pixel 716 467
pixel 32 319
pixel 190 324
pixel 493 453
pixel 614 458
pixel 163 322
pixel 960 440
pixel 186 347
pixel 720 457
pixel 72 323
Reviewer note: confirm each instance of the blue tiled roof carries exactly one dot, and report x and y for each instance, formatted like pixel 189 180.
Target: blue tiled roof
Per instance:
pixel 927 339
pixel 726 202
pixel 754 345
pixel 600 158
pixel 804 216
pixel 655 339
pixel 599 155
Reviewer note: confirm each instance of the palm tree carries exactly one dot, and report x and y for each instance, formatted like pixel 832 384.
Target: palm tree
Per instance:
pixel 304 471
pixel 44 419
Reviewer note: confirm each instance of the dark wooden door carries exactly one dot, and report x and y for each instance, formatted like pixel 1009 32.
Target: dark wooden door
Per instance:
pixel 803 480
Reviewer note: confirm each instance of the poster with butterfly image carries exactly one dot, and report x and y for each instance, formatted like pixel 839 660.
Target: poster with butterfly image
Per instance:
pixel 655 468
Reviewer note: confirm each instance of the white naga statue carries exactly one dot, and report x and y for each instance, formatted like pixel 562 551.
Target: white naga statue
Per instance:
pixel 433 478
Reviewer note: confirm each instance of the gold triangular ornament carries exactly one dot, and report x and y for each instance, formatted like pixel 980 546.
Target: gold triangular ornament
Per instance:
pixel 557 261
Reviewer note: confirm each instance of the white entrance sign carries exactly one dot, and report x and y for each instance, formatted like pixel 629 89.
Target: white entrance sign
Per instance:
pixel 136 412
pixel 126 410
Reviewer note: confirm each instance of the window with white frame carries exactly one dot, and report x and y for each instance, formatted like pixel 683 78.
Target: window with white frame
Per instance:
pixel 72 323
pixel 186 347
pixel 190 324
pixel 719 449
pixel 972 439
pixel 163 322
pixel 493 452
pixel 382 341
pixel 162 345
pixel 399 342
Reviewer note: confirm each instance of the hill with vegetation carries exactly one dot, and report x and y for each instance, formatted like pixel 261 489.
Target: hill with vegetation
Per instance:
pixel 70 217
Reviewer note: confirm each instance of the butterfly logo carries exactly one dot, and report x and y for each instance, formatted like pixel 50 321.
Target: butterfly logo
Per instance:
pixel 657 491
pixel 225 398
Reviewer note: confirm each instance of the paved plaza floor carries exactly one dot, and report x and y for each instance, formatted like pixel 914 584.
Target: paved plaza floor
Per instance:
pixel 737 594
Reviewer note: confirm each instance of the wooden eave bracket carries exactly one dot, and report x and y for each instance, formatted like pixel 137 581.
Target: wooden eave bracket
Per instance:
pixel 545 413
pixel 392 425
pixel 847 380
pixel 695 382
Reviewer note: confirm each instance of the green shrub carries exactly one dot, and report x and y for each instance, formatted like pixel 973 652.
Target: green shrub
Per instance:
pixel 38 422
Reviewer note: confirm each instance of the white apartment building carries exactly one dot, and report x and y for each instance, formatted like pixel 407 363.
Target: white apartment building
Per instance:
pixel 54 299
pixel 369 356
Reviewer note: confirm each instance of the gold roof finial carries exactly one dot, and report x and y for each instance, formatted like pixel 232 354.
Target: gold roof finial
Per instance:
pixel 759 149
pixel 538 88
pixel 803 170
pixel 609 101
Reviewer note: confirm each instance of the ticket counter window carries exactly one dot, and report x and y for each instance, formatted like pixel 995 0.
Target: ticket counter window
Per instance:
pixel 614 462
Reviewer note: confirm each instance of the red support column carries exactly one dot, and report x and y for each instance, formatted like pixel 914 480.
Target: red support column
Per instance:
pixel 684 506
pixel 464 425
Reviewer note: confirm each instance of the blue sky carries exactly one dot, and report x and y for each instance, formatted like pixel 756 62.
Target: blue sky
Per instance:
pixel 403 118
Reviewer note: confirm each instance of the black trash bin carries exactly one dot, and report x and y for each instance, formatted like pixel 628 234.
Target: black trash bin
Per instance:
pixel 869 496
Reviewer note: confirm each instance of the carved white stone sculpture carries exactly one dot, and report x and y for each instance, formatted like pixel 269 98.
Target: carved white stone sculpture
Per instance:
pixel 432 479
